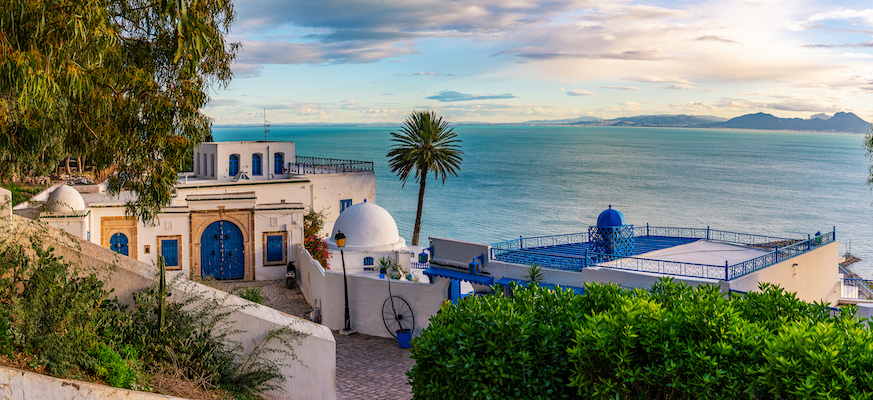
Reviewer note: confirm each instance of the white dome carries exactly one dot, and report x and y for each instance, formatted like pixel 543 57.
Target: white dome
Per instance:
pixel 367 227
pixel 65 199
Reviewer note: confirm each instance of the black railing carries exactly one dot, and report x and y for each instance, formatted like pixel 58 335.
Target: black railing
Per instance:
pixel 317 165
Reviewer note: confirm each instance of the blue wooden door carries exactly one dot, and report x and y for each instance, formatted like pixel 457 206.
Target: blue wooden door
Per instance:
pixel 118 244
pixel 170 252
pixel 454 291
pixel 221 251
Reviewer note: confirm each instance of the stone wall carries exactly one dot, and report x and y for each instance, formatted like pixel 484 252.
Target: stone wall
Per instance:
pixel 23 385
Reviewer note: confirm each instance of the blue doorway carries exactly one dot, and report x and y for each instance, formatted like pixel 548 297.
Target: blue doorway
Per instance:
pixel 221 251
pixel 118 244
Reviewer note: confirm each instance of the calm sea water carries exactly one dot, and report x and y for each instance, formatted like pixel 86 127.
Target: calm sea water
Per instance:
pixel 535 181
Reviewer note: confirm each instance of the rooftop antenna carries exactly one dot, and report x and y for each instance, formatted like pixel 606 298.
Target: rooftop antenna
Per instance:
pixel 266 125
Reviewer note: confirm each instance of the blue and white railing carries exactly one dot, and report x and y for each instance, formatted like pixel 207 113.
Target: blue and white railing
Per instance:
pixel 317 165
pixel 529 251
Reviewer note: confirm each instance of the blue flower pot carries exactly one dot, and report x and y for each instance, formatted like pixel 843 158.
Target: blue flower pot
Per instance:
pixel 404 336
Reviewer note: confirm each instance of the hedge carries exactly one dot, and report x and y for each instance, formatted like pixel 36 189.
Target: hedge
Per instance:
pixel 671 342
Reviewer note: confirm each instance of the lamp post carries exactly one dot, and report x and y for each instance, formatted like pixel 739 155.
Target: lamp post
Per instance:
pixel 340 240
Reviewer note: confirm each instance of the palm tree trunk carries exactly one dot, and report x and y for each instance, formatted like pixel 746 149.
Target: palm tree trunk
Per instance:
pixel 417 228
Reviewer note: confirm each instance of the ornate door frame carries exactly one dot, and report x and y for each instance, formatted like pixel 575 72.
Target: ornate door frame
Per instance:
pixel 243 220
pixel 124 225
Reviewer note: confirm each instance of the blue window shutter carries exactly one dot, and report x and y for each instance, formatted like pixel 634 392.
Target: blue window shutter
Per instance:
pixel 345 204
pixel 234 164
pixel 256 164
pixel 368 260
pixel 279 163
pixel 275 250
pixel 170 252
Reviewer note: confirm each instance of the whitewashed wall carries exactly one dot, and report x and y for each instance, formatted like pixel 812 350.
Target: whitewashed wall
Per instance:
pixel 366 297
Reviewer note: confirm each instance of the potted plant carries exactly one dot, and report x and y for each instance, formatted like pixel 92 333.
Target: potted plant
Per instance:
pixel 384 264
pixel 404 338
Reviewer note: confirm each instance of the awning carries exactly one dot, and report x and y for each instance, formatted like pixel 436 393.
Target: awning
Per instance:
pixel 507 281
pixel 464 276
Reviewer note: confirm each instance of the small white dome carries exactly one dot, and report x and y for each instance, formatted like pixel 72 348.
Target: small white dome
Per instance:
pixel 65 199
pixel 367 227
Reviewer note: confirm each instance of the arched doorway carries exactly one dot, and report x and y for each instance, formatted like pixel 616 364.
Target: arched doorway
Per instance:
pixel 222 251
pixel 118 244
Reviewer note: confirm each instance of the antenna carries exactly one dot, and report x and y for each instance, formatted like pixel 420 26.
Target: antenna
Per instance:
pixel 266 125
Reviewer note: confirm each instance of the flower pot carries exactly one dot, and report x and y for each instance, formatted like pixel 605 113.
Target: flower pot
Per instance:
pixel 404 336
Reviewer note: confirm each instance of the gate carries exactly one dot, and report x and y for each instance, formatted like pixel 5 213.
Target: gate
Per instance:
pixel 118 244
pixel 221 251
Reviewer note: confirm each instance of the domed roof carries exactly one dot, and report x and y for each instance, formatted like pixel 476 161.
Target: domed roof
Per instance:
pixel 65 199
pixel 367 227
pixel 610 217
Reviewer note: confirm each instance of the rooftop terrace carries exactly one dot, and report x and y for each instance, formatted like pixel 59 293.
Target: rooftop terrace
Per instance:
pixel 693 252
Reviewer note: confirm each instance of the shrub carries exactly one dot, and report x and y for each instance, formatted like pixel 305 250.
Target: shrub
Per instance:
pixel 313 223
pixel 253 294
pixel 673 341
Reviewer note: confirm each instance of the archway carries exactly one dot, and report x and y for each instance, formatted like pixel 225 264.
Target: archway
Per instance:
pixel 222 251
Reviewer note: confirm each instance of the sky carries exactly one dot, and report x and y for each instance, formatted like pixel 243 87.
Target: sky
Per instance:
pixel 367 61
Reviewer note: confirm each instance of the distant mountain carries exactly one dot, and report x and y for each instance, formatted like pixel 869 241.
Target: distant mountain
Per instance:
pixel 561 121
pixel 687 121
pixel 840 122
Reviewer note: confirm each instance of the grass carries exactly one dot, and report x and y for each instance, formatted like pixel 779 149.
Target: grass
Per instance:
pixel 21 192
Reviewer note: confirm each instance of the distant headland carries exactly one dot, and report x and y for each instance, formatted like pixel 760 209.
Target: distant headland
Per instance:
pixel 839 122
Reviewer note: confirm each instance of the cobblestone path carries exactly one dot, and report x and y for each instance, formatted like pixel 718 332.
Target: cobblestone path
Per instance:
pixel 367 367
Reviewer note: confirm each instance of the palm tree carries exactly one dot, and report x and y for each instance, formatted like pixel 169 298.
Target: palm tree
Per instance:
pixel 425 143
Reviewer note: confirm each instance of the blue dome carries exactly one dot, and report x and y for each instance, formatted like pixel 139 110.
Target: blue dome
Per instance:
pixel 610 217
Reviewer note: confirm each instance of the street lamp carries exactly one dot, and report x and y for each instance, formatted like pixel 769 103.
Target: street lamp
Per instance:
pixel 340 240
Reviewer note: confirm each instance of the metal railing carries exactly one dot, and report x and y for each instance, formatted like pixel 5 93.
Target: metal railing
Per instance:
pixel 529 250
pixel 857 289
pixel 316 165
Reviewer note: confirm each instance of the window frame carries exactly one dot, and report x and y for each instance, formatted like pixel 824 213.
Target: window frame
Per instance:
pixel 160 253
pixel 259 171
pixel 345 203
pixel 279 163
pixel 231 163
pixel 284 259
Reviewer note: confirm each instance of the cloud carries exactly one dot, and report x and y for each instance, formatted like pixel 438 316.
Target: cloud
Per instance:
pixel 627 12
pixel 280 52
pixel 715 38
pixel 840 14
pixel 658 79
pixel 638 55
pixel 217 102
pixel 361 35
pixel 862 44
pixel 295 108
pixel 631 88
pixel 680 86
pixel 577 92
pixel 422 73
pixel 451 96
pixel 243 70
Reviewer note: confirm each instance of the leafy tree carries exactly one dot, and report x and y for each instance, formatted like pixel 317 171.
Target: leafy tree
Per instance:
pixel 425 144
pixel 120 82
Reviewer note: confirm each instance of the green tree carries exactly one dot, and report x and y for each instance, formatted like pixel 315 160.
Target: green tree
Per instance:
pixel 121 82
pixel 425 144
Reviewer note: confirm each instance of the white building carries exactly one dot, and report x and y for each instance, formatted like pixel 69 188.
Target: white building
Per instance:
pixel 234 217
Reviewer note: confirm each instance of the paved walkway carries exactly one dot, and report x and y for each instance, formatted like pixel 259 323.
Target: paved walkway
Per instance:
pixel 367 367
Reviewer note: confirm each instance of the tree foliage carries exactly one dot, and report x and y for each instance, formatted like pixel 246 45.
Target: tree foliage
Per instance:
pixel 672 342
pixel 121 82
pixel 425 144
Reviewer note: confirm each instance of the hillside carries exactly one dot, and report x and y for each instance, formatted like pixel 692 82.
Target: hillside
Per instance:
pixel 840 122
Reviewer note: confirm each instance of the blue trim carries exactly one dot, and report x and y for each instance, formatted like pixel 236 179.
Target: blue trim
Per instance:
pixel 345 204
pixel 233 168
pixel 256 164
pixel 279 163
pixel 368 260
pixel 507 281
pixel 464 276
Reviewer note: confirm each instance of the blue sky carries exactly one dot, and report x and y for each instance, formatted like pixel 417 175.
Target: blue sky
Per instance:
pixel 310 61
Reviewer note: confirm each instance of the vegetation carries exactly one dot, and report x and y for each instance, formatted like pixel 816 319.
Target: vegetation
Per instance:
pixel 60 320
pixel 313 223
pixel 22 192
pixel 425 144
pixel 253 294
pixel 119 82
pixel 672 342
pixel 534 273
pixel 391 267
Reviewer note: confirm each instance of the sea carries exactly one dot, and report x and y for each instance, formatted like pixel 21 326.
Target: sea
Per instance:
pixel 548 180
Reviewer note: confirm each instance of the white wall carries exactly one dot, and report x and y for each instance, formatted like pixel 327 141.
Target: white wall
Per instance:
pixel 366 297
pixel 329 189
pixel 313 377
pixel 813 275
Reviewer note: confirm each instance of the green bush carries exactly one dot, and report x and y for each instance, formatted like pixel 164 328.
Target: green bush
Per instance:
pixel 50 308
pixel 672 342
pixel 253 294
